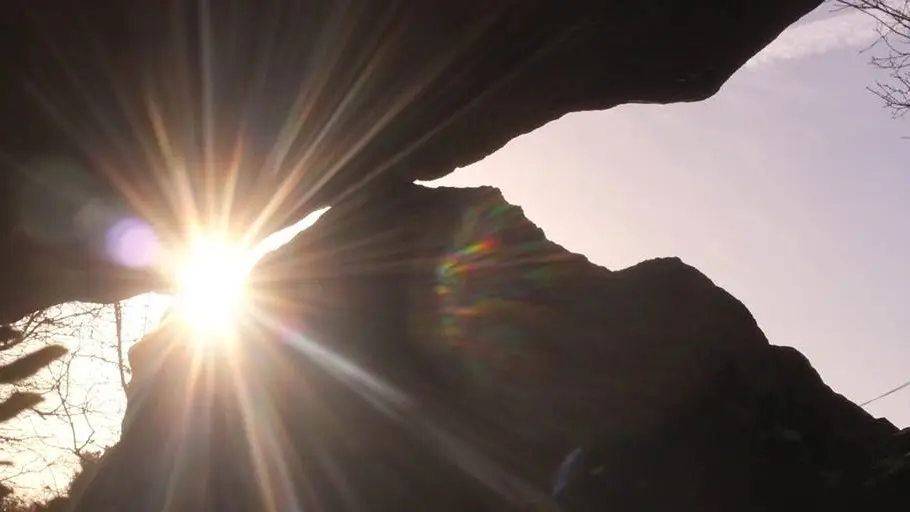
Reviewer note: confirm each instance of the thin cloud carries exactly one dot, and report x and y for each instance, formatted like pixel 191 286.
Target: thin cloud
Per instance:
pixel 847 30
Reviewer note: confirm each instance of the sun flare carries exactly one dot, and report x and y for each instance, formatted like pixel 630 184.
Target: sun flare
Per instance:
pixel 211 278
pixel 211 285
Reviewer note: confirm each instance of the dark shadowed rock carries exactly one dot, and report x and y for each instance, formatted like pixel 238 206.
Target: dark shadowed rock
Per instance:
pixel 298 103
pixel 443 354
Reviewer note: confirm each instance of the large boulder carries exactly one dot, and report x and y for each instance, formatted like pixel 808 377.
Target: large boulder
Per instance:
pixel 442 353
pixel 275 108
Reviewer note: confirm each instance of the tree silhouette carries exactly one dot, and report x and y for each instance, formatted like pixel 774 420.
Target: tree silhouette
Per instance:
pixel 893 17
pixel 88 466
pixel 21 369
pixel 20 401
pixel 81 395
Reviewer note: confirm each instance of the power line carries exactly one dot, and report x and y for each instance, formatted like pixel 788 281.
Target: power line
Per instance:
pixel 887 393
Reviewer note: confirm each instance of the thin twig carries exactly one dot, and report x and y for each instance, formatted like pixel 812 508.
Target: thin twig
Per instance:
pixel 118 318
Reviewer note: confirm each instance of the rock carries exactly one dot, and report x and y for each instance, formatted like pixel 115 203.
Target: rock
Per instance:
pixel 442 353
pixel 111 104
pixel 881 484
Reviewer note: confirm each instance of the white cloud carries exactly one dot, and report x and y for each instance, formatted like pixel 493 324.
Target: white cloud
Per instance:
pixel 846 30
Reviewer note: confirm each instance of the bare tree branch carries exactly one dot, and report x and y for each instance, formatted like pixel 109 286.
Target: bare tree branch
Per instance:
pixel 29 365
pixel 81 392
pixel 893 18
pixel 118 318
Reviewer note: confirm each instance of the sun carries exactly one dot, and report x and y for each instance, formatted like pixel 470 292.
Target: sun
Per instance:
pixel 211 279
pixel 212 286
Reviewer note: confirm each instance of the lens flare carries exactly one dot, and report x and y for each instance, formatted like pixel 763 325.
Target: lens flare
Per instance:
pixel 211 286
pixel 132 243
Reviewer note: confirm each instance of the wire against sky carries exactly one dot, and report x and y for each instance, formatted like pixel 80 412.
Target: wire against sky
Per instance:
pixel 886 394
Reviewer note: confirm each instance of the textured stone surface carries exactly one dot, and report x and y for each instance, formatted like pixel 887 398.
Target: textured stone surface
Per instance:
pixel 498 353
pixel 303 102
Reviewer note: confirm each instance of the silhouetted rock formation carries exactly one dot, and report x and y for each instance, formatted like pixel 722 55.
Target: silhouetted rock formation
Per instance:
pixel 385 90
pixel 498 353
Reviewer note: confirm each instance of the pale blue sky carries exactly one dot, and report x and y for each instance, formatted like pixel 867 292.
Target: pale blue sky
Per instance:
pixel 790 188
